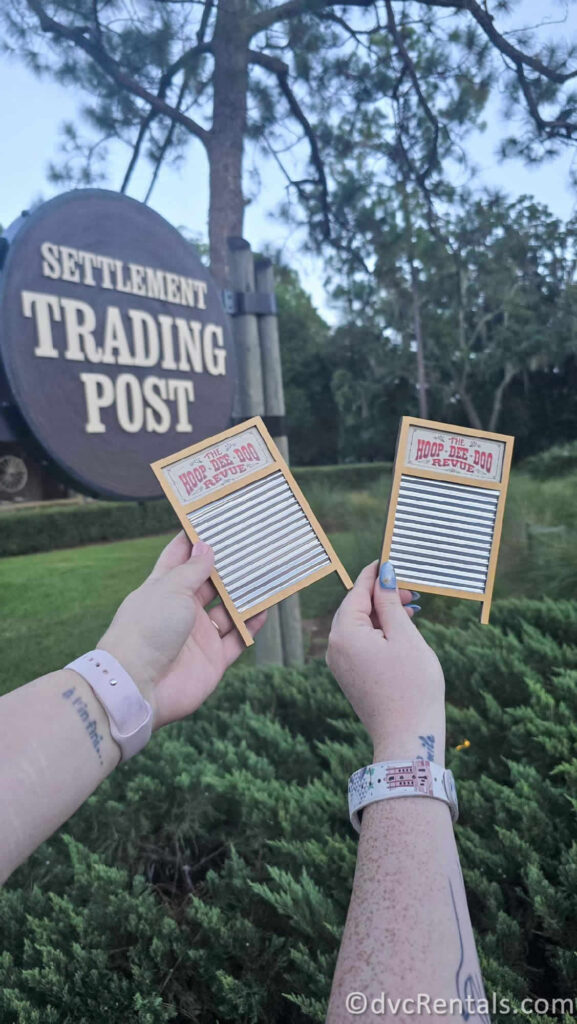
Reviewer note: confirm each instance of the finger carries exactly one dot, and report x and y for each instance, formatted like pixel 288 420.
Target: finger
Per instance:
pixel 196 570
pixel 358 602
pixel 389 610
pixel 221 619
pixel 406 596
pixel 175 553
pixel 234 645
pixel 206 593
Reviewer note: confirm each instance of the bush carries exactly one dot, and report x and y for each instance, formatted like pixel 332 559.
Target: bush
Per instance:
pixel 556 461
pixel 25 530
pixel 208 880
pixel 352 476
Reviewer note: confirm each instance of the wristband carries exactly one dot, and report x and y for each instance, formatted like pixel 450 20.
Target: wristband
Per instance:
pixel 129 713
pixel 389 779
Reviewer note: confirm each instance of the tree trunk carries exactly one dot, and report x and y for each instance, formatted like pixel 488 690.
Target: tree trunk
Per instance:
pixel 472 414
pixel 499 395
pixel 421 373
pixel 225 145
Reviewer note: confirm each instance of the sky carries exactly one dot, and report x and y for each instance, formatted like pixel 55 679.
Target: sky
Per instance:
pixel 30 128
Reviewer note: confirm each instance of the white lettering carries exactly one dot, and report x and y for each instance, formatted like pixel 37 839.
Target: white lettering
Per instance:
pixel 145 338
pixel 129 403
pixel 79 325
pixel 155 390
pixel 181 390
pixel 189 345
pixel 98 394
pixel 42 306
pixel 50 261
pixel 214 359
pixel 115 347
pixel 70 271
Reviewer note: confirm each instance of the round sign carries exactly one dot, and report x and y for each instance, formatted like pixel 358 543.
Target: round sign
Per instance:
pixel 114 340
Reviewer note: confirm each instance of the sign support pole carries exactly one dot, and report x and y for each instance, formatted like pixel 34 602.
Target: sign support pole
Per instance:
pixel 289 609
pixel 250 401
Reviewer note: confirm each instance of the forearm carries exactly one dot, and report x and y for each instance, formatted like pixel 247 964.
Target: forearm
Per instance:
pixel 408 930
pixel 56 749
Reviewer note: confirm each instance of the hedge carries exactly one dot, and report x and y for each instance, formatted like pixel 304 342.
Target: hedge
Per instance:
pixel 556 461
pixel 208 879
pixel 25 530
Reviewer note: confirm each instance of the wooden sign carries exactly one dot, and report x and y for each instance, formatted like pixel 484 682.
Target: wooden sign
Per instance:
pixel 446 509
pixel 236 492
pixel 115 346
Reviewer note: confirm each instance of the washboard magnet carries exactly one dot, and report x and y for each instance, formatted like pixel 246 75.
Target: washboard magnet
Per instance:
pixel 236 492
pixel 446 509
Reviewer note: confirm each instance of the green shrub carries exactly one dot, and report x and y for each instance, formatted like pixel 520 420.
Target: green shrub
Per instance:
pixel 556 461
pixel 25 530
pixel 353 476
pixel 208 880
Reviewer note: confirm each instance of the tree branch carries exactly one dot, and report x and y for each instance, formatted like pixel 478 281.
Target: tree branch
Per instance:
pixel 85 39
pixel 487 23
pixel 280 69
pixel 410 68
pixel 292 8
pixel 166 144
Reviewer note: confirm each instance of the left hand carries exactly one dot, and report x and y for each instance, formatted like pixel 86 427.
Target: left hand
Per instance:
pixel 174 649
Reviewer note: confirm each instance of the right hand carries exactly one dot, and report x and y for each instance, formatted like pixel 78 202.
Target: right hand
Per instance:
pixel 388 672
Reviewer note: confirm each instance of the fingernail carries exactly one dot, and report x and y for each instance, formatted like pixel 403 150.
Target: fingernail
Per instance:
pixel 387 577
pixel 416 608
pixel 199 548
pixel 415 595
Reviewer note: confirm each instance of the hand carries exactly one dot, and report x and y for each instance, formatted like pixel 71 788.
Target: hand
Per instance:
pixel 175 651
pixel 387 671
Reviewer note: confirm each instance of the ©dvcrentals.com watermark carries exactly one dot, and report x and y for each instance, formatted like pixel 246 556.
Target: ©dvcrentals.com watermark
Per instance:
pixel 422 1004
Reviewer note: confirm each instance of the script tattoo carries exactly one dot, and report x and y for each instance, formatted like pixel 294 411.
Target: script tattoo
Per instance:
pixel 428 742
pixel 470 988
pixel 81 708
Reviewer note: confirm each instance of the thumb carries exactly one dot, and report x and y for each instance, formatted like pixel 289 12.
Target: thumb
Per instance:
pixel 195 571
pixel 391 615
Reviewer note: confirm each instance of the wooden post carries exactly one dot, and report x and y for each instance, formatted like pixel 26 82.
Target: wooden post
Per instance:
pixel 250 401
pixel 274 404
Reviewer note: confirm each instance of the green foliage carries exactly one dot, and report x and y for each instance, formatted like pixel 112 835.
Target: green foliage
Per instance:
pixel 208 880
pixel 46 528
pixel 556 461
pixel 23 530
pixel 306 367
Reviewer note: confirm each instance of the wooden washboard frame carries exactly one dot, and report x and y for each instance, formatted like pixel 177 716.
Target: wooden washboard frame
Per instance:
pixel 446 509
pixel 186 479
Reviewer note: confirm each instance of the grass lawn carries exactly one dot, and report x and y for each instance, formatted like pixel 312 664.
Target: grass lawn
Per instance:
pixel 57 604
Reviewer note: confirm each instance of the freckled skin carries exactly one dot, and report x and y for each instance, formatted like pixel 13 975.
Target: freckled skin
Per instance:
pixel 402 933
pixel 408 931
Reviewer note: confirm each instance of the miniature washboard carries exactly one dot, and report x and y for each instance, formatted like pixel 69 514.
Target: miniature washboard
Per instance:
pixel 446 509
pixel 236 492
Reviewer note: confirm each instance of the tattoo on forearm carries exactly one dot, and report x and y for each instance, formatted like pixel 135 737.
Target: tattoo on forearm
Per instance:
pixel 81 708
pixel 428 742
pixel 470 988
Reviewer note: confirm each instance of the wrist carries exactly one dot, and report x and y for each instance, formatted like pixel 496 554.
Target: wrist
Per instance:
pixel 134 665
pixel 428 745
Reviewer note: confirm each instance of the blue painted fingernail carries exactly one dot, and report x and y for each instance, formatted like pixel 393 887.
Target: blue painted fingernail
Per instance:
pixel 415 595
pixel 416 608
pixel 387 577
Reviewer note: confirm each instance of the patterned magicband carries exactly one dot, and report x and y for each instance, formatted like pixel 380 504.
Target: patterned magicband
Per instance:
pixel 129 713
pixel 386 780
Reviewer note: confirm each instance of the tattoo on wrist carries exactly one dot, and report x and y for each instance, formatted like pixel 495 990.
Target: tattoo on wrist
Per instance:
pixel 469 983
pixel 79 705
pixel 428 742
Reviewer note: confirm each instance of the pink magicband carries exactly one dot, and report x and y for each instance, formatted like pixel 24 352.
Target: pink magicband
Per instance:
pixel 129 713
